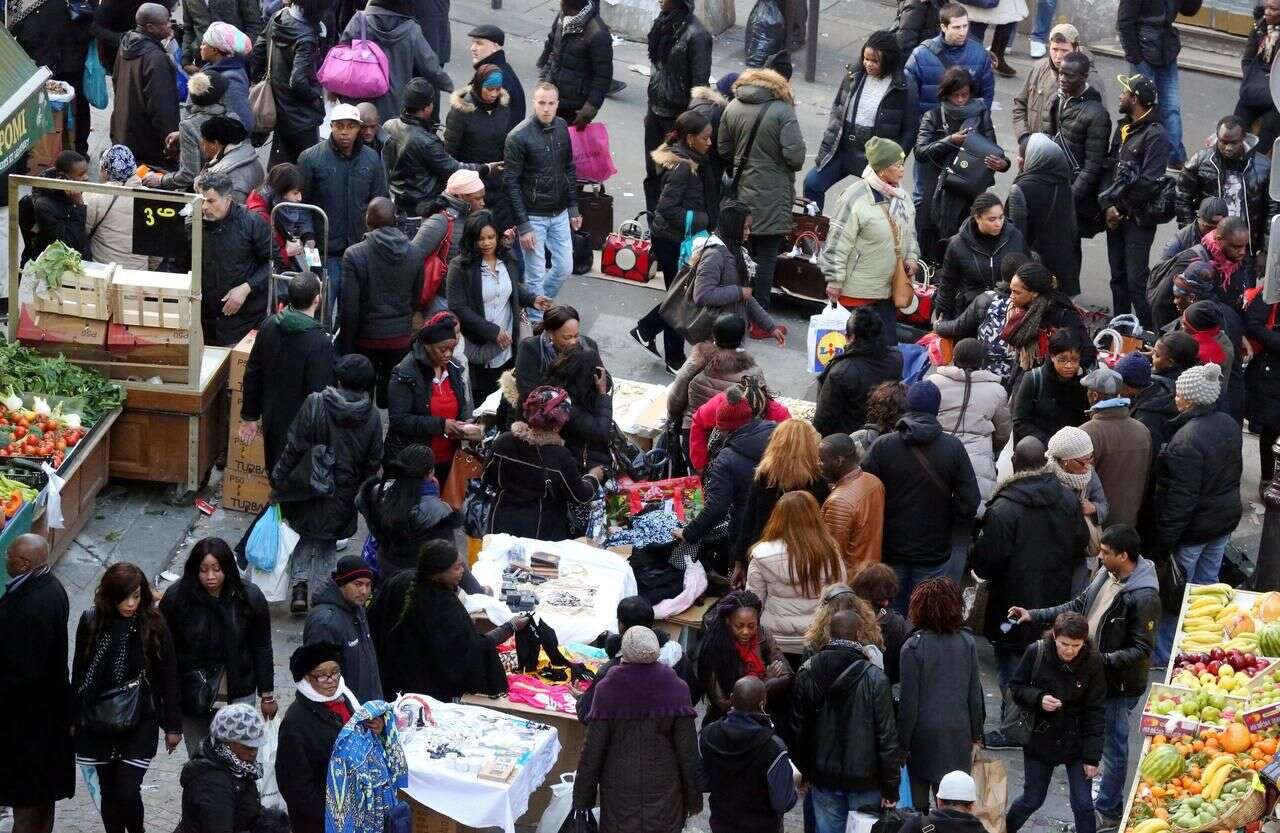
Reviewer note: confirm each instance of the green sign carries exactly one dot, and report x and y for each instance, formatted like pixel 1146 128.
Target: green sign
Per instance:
pixel 24 127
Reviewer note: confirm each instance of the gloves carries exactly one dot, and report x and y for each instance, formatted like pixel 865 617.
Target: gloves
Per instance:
pixel 586 114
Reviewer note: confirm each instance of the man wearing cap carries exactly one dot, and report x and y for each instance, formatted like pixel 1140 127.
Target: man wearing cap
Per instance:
pixel 921 466
pixel 341 176
pixel 1231 168
pixel 1079 122
pixel 1121 444
pixel 1031 105
pixel 338 616
pixel 1208 214
pixel 417 162
pixel 1151 45
pixel 957 794
pixel 1150 399
pixel 1140 147
pixel 487 41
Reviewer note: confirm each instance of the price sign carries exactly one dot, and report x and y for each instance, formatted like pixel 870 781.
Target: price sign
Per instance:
pixel 159 229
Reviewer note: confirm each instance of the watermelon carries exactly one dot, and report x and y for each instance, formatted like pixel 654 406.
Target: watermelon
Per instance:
pixel 1269 640
pixel 1162 764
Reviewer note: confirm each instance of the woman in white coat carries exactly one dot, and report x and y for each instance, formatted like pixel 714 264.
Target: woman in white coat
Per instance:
pixel 1004 15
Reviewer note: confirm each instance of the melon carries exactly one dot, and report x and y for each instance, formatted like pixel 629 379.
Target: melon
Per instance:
pixel 1162 764
pixel 1267 607
pixel 1269 640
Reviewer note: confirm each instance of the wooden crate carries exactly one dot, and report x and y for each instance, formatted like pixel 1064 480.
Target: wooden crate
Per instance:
pixel 148 345
pixel 52 334
pixel 153 299
pixel 82 296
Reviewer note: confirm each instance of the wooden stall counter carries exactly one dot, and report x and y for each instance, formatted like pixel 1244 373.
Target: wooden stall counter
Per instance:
pixel 84 474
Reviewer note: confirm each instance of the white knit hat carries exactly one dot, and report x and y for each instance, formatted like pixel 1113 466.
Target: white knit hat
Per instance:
pixel 1069 443
pixel 1200 385
pixel 639 646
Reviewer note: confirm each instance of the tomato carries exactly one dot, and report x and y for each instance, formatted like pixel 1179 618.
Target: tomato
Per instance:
pixel 20 431
pixel 60 445
pixel 24 422
pixel 72 439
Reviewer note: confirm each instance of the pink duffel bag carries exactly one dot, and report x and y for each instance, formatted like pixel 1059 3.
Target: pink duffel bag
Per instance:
pixel 357 69
pixel 592 160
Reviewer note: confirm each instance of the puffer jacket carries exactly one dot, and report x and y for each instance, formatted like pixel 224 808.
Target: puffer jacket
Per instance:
pixel 522 465
pixel 295 45
pixel 1146 147
pixel 728 480
pixel 686 66
pixel 580 63
pixel 408 54
pixel 689 184
pixel 214 798
pixel 1147 33
pixel 190 160
pixel 844 733
pixel 1198 478
pixel 847 380
pixel 382 278
pixel 860 254
pixel 240 163
pixel 55 218
pixel 1073 732
pixel 916 22
pixel 349 424
pixel 896 117
pixel 768 175
pixel 201 628
pixel 1032 539
pixel 976 411
pixel 475 131
pixel 145 105
pixel 971 265
pixel 717 284
pixel 236 250
pixel 197 15
pixel 538 172
pixel 788 610
pixel 1203 176
pixel 335 620
pixel 1082 126
pixel 417 164
pixel 934 56
pixel 707 371
pixel 343 186
pixel 946 209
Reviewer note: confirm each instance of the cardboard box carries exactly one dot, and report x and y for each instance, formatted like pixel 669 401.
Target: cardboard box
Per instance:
pixel 239 359
pixel 51 334
pixel 247 459
pixel 148 345
pixel 243 493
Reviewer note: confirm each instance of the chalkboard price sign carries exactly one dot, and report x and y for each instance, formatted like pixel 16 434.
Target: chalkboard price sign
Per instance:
pixel 159 229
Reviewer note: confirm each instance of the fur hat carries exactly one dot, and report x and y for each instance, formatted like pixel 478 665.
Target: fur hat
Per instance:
pixel 306 658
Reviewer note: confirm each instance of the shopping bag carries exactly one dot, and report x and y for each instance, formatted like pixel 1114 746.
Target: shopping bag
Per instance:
pixel 95 79
pixel 274 583
pixel 356 69
pixel 286 542
pixel 268 789
pixel 861 822
pixel 826 336
pixel 264 541
pixel 992 782
pixel 559 807
pixel 92 785
pixel 592 160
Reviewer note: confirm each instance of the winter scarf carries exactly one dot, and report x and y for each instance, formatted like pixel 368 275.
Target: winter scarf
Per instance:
pixel 1207 341
pixel 220 751
pixel 1075 482
pixel 307 690
pixel 749 654
pixel 662 36
pixel 1022 331
pixel 635 692
pixel 365 772
pixel 574 25
pixel 1226 268
pixel 959 115
pixel 896 196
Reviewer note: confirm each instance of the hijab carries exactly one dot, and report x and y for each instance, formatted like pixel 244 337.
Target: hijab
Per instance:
pixel 1043 161
pixel 365 772
pixel 119 163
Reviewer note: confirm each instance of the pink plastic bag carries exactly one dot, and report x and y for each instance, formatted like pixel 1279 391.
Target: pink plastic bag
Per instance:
pixel 591 157
pixel 357 69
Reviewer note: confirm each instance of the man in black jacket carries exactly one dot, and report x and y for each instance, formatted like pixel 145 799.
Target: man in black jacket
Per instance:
pixel 543 192
pixel 1151 45
pixel 1233 170
pixel 578 60
pixel 921 466
pixel 916 22
pixel 338 617
pixel 1122 604
pixel 236 263
pixel 145 105
pixel 845 382
pixel 844 735
pixel 48 216
pixel 680 52
pixel 1208 215
pixel 487 41
pixel 417 163
pixel 1080 124
pixel 1140 148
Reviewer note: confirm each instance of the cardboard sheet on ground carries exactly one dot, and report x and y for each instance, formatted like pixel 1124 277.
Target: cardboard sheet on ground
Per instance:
pixel 582 603
pixel 444 761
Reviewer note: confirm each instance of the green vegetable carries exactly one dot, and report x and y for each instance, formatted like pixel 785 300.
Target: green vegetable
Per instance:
pixel 57 258
pixel 26 370
pixel 8 487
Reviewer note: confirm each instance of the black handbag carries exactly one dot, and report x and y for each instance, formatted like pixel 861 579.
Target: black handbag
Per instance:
pixel 1018 722
pixel 114 711
pixel 200 688
pixel 967 173
pixel 312 475
pixel 477 508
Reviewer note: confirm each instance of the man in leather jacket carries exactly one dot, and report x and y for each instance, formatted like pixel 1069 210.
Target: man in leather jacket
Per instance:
pixel 1122 604
pixel 680 52
pixel 417 163
pixel 1233 170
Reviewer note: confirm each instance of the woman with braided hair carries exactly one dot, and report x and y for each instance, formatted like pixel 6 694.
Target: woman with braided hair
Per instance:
pixel 734 645
pixel 403 509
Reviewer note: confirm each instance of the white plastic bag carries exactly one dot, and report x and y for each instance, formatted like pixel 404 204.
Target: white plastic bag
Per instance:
pixel 860 822
pixel 560 805
pixel 53 504
pixel 268 789
pixel 826 336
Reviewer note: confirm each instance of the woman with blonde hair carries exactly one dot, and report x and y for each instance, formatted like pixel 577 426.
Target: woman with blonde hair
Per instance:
pixel 789 464
pixel 835 598
pixel 794 560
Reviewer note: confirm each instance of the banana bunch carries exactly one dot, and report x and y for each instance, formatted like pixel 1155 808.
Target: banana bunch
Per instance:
pixel 1208 610
pixel 1152 826
pixel 1215 775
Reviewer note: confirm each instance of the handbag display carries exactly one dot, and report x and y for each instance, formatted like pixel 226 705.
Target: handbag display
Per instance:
pixel 357 69
pixel 627 253
pixel 200 689
pixel 114 711
pixel 678 309
pixel 967 173
pixel 262 99
pixel 1018 722
pixel 901 289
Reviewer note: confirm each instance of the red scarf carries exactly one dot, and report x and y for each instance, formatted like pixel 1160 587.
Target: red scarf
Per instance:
pixel 752 665
pixel 1210 350
pixel 1226 268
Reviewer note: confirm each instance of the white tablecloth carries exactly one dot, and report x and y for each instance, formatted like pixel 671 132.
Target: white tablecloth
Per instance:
pixel 446 787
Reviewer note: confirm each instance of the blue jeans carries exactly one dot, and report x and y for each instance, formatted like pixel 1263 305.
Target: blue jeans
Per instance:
pixel 1200 563
pixel 1166 78
pixel 1036 777
pixel 1045 11
pixel 821 180
pixel 1115 755
pixel 831 808
pixel 909 575
pixel 918 170
pixel 552 234
pixel 333 274
pixel 1165 632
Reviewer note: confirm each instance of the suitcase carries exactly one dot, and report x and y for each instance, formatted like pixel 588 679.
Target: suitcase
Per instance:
pixel 596 208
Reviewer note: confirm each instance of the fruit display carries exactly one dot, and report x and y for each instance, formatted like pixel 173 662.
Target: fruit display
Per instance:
pixel 40 431
pixel 13 494
pixel 1202 702
pixel 1212 619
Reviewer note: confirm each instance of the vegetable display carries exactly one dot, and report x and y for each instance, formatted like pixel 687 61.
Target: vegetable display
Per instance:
pixel 26 371
pixel 38 433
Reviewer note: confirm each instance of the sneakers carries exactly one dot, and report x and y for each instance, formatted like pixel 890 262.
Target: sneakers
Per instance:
pixel 996 740
pixel 651 346
pixel 298 602
pixel 1107 823
pixel 1038 49
pixel 341 544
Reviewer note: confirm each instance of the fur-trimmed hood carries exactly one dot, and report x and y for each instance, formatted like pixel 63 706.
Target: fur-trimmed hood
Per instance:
pixel 667 157
pixel 722 362
pixel 523 431
pixel 463 100
pixel 756 86
pixel 510 392
pixel 710 94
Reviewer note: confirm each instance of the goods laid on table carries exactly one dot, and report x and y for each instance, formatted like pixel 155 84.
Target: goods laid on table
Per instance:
pixel 14 494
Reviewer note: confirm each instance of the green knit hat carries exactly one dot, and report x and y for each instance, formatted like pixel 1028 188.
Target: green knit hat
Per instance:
pixel 882 153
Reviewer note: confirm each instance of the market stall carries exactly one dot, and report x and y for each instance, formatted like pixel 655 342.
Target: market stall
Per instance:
pixel 1212 728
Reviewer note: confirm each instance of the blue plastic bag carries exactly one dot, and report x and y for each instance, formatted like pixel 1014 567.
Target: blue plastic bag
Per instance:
pixel 370 553
pixel 691 240
pixel 263 545
pixel 95 79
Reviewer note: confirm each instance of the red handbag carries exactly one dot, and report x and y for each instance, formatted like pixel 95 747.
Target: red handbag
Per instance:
pixel 435 267
pixel 627 253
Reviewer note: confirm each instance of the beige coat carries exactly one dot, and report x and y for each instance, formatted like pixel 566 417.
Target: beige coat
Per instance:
pixel 788 611
pixel 109 220
pixel 854 515
pixel 1031 105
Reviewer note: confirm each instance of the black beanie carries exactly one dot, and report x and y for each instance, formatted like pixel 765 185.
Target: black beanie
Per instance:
pixel 306 657
pixel 418 93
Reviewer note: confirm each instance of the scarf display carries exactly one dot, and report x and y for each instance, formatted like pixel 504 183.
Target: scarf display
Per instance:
pixel 574 25
pixel 665 30
pixel 1226 268
pixel 1210 351
pixel 634 692
pixel 365 772
pixel 216 750
pixel 1075 482
pixel 749 655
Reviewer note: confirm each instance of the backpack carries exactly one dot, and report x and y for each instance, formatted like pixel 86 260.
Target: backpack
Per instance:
pixel 435 267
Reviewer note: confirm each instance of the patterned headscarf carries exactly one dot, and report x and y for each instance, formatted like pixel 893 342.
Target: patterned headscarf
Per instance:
pixel 227 39
pixel 365 772
pixel 119 163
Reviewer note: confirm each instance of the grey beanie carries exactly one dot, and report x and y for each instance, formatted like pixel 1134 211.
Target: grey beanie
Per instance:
pixel 639 646
pixel 1200 385
pixel 239 723
pixel 1069 443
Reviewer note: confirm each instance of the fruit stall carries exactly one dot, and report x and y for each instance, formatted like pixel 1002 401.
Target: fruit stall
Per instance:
pixel 1212 728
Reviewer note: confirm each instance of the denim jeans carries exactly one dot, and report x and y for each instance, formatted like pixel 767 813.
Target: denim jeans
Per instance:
pixel 918 170
pixel 1165 632
pixel 1166 78
pixel 1036 777
pixel 909 575
pixel 1129 255
pixel 843 162
pixel 1115 755
pixel 1200 563
pixel 312 561
pixel 1045 11
pixel 1007 659
pixel 831 808
pixel 550 233
pixel 333 274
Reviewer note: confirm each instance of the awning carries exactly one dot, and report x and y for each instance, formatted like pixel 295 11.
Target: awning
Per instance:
pixel 25 114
